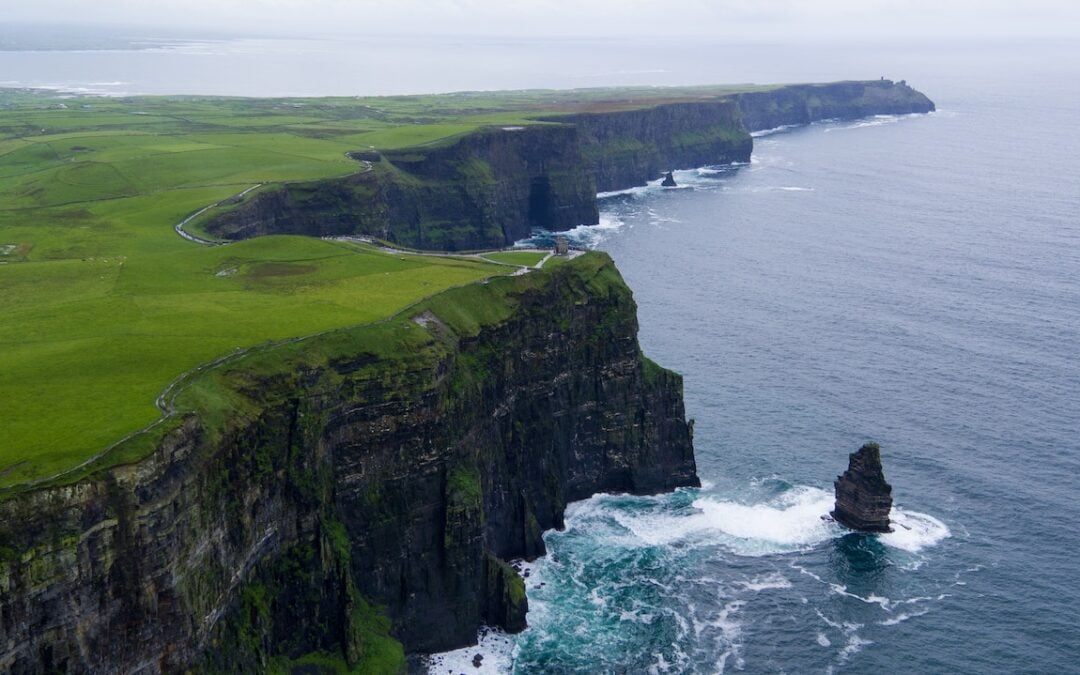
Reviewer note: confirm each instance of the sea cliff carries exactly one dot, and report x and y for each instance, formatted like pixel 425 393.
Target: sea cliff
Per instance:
pixel 350 493
pixel 629 148
pixel 805 103
pixel 490 188
pixel 480 190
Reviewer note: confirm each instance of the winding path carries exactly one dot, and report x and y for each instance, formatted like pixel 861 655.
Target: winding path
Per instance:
pixel 179 227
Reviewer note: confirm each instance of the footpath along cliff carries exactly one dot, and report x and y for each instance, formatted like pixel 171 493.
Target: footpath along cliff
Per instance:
pixel 490 188
pixel 357 493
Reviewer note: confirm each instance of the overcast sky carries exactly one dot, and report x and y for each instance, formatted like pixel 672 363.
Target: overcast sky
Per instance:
pixel 725 19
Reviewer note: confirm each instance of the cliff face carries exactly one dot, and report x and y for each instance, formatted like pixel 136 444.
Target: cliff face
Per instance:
pixel 490 188
pixel 630 148
pixel 388 469
pixel 483 190
pixel 806 103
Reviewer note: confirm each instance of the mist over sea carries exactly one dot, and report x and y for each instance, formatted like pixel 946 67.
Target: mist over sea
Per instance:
pixel 911 280
pixel 139 61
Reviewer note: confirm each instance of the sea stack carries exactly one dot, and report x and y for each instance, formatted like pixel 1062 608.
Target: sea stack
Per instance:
pixel 863 498
pixel 669 180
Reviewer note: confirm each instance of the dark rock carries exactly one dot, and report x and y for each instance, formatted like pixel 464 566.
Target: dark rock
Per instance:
pixel 627 148
pixel 669 181
pixel 477 660
pixel 505 603
pixel 489 188
pixel 396 469
pixel 863 498
pixel 484 190
pixel 805 103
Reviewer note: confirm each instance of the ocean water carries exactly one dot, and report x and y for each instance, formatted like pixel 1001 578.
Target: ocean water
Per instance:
pixel 910 280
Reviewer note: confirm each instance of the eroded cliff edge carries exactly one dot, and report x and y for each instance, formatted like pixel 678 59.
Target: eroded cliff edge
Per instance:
pixel 490 188
pixel 317 487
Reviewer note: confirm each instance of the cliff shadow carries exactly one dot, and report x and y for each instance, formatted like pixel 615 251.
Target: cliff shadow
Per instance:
pixel 541 207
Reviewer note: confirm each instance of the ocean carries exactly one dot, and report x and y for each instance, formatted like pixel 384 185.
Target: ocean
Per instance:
pixel 909 280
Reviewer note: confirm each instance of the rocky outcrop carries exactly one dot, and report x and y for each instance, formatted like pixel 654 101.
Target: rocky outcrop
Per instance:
pixel 806 103
pixel 669 180
pixel 349 490
pixel 490 188
pixel 863 498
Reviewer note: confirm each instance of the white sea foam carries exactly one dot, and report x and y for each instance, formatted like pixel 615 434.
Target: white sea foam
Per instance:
pixel 854 646
pixel 637 616
pixel 794 519
pixel 588 235
pixel 788 522
pixel 661 665
pixel 849 630
pixel 496 648
pixel 902 617
pixel 875 121
pixel 766 582
pixel 774 130
pixel 773 188
pixel 634 191
pixel 606 222
pixel 726 628
pixel 913 531
pixel 871 599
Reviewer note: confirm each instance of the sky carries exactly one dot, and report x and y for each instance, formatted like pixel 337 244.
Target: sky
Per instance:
pixel 723 19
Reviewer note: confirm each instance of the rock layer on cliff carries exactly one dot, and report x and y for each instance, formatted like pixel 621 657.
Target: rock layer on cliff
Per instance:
pixel 490 188
pixel 629 148
pixel 481 190
pixel 863 497
pixel 805 103
pixel 383 471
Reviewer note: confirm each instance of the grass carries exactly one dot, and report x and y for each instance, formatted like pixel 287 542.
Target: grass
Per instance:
pixel 80 370
pixel 103 305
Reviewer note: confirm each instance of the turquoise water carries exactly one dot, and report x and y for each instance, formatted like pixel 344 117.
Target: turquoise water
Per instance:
pixel 910 280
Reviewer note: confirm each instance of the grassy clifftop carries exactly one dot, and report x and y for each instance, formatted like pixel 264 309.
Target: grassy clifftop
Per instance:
pixel 89 344
pixel 103 305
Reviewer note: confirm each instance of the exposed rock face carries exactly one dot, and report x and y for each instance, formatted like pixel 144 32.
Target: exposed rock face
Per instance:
pixel 484 190
pixel 669 181
pixel 806 103
pixel 394 466
pixel 863 498
pixel 629 148
pixel 490 188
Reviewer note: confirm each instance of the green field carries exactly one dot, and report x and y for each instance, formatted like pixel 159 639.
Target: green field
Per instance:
pixel 103 305
pixel 523 258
